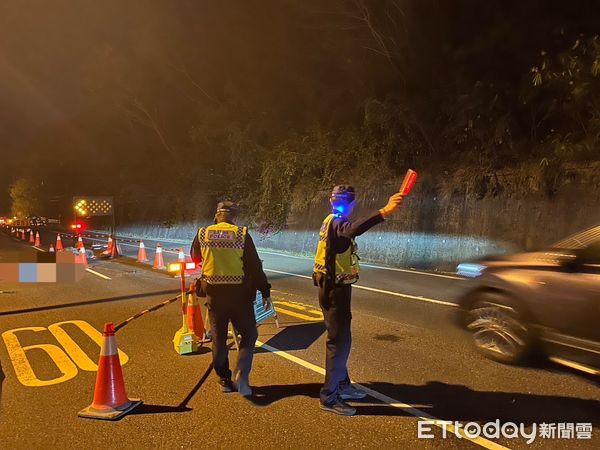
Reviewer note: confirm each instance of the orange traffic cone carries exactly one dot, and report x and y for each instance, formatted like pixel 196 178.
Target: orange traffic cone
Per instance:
pixel 110 399
pixel 114 252
pixel 51 249
pixel 142 253
pixel 194 316
pixel 159 262
pixel 82 257
pixel 37 239
pixel 59 245
pixel 109 247
pixel 31 238
pixel 79 242
pixel 181 255
pixel 23 234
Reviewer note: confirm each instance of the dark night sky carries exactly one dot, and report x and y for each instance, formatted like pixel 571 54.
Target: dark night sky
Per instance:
pixel 71 69
pixel 83 82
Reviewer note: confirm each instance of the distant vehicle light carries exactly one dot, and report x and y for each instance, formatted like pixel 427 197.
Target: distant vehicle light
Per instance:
pixel 190 265
pixel 470 270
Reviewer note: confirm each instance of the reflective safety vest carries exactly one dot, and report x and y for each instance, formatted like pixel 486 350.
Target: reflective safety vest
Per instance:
pixel 222 247
pixel 346 264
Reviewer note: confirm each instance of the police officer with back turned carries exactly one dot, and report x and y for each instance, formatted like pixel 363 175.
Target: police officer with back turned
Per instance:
pixel 336 269
pixel 231 274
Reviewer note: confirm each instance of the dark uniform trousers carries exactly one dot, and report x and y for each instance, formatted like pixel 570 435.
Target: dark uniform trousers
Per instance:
pixel 335 304
pixel 227 303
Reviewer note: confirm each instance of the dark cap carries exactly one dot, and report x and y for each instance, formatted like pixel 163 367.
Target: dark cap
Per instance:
pixel 228 207
pixel 343 192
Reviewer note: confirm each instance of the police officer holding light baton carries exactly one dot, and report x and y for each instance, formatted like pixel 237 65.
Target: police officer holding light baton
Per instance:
pixel 336 268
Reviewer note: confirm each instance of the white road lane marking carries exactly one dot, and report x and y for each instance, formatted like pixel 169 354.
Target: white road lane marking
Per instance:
pixel 39 249
pixel 98 274
pixel 373 266
pixel 385 399
pixel 380 291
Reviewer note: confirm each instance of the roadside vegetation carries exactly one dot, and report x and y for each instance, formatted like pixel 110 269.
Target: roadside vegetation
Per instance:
pixel 282 100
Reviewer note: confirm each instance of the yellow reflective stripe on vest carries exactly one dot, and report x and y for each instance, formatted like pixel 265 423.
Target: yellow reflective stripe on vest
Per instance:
pixel 346 263
pixel 222 247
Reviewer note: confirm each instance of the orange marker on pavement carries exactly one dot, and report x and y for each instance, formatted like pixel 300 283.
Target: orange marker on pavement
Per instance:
pixel 142 253
pixel 159 262
pixel 59 245
pixel 110 399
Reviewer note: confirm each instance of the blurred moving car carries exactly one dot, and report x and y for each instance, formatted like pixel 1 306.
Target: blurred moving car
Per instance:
pixel 546 301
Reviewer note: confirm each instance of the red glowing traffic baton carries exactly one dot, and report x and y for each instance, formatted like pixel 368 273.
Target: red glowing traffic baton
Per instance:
pixel 408 183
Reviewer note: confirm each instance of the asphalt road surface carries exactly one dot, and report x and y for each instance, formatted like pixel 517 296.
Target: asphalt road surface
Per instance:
pixel 406 351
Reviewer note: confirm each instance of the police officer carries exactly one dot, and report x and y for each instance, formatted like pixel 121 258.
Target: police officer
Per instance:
pixel 336 269
pixel 231 274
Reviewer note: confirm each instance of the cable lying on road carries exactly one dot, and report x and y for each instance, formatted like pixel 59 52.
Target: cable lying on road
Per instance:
pixel 146 311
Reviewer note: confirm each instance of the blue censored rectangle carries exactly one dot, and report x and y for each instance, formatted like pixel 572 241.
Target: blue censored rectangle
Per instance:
pixel 27 272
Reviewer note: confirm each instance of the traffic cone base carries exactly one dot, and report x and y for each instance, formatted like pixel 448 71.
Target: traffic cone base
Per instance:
pixel 110 399
pixel 109 413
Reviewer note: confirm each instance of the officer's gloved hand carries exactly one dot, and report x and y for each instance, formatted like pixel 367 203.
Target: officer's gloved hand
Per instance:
pixel 392 205
pixel 266 303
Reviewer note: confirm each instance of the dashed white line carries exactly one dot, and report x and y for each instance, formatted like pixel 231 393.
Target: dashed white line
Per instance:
pixel 380 291
pixel 98 274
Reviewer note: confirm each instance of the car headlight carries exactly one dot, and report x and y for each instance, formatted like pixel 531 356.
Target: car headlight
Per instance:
pixel 470 270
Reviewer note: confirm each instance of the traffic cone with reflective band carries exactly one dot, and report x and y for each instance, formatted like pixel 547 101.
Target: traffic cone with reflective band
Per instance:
pixel 181 255
pixel 109 247
pixel 37 239
pixel 31 238
pixel 82 259
pixel 159 262
pixel 194 316
pixel 110 399
pixel 51 249
pixel 23 234
pixel 142 253
pixel 79 242
pixel 58 245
